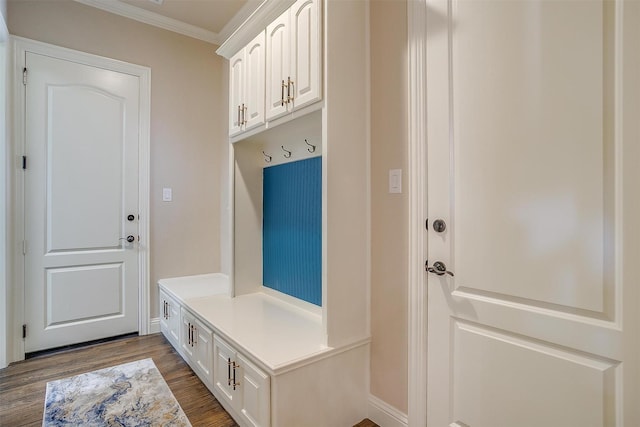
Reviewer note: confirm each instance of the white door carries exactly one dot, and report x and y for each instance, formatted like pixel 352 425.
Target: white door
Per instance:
pixel 254 82
pixel 278 66
pixel 534 167
pixel 81 184
pixel 236 89
pixel 306 52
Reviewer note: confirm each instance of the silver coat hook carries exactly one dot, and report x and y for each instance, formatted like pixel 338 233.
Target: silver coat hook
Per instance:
pixel 267 158
pixel 313 147
pixel 287 152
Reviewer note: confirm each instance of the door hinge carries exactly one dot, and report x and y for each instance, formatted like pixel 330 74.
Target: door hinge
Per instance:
pixel 24 76
pixel 24 162
pixel 24 331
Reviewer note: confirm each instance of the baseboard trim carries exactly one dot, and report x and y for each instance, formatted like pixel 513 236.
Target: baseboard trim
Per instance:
pixel 384 414
pixel 154 325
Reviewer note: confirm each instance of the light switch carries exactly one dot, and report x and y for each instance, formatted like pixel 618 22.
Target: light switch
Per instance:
pixel 166 195
pixel 395 180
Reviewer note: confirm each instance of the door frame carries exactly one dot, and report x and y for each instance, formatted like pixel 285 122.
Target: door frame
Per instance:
pixel 417 189
pixel 16 197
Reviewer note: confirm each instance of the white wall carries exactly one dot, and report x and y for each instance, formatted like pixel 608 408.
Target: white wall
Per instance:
pixel 389 212
pixel 4 313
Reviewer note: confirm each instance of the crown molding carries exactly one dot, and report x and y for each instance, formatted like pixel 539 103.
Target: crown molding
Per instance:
pixel 152 18
pixel 236 21
pixel 260 16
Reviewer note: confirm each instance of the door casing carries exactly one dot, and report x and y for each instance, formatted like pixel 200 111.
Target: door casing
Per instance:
pixel 19 47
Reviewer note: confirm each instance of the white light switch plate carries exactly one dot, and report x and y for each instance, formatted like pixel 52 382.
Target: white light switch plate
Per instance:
pixel 167 195
pixel 395 180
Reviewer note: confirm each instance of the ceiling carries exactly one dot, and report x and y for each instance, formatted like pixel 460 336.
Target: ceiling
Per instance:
pixel 209 20
pixel 211 15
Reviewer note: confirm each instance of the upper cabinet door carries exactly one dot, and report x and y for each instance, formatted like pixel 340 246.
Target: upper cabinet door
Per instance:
pixel 278 65
pixel 236 89
pixel 254 82
pixel 305 52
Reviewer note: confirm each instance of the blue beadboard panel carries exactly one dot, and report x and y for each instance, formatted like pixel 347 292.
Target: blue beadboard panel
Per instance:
pixel 292 229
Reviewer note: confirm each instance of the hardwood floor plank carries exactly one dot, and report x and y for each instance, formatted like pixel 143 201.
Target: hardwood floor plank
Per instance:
pixel 22 385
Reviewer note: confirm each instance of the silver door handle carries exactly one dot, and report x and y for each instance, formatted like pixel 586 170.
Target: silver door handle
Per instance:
pixel 438 268
pixel 129 238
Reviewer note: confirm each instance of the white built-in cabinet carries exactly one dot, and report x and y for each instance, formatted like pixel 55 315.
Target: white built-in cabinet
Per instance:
pixel 170 319
pixel 197 345
pixel 294 59
pixel 246 86
pixel 279 71
pixel 241 384
pixel 263 358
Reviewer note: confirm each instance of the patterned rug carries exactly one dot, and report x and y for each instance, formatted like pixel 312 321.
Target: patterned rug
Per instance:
pixel 132 394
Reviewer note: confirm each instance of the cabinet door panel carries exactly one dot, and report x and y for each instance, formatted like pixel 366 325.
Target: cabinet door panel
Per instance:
pixel 223 354
pixel 278 56
pixel 236 89
pixel 305 57
pixel 204 352
pixel 254 82
pixel 173 322
pixel 255 407
pixel 185 337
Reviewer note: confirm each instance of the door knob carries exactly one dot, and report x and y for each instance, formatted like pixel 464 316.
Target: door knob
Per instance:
pixel 439 225
pixel 130 217
pixel 129 238
pixel 438 268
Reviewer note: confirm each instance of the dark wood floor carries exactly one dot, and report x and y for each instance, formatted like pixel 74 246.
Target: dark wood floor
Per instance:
pixel 22 385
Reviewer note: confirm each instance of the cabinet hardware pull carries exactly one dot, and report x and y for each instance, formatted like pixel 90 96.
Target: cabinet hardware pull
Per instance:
pixel 244 118
pixel 239 123
pixel 282 94
pixel 229 371
pixel 290 91
pixel 234 376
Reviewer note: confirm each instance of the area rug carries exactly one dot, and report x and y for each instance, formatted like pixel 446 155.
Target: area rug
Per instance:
pixel 132 394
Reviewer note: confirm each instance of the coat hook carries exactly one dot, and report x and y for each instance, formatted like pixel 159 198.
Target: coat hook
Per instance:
pixel 287 152
pixel 313 147
pixel 267 158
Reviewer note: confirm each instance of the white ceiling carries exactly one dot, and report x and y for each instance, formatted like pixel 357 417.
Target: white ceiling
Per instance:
pixel 211 15
pixel 209 20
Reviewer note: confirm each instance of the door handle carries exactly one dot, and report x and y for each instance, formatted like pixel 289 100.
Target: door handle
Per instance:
pixel 439 268
pixel 439 225
pixel 129 238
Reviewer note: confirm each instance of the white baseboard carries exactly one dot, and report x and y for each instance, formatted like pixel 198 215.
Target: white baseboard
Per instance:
pixel 384 414
pixel 154 325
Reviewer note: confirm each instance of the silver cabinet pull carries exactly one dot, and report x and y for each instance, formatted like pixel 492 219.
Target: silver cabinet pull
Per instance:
pixel 290 89
pixel 282 94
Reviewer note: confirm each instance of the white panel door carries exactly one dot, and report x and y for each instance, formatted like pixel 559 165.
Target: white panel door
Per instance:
pixel 187 341
pixel 306 52
pixel 224 356
pixel 81 183
pixel 278 66
pixel 254 82
pixel 170 319
pixel 203 356
pixel 236 92
pixel 256 406
pixel 533 152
